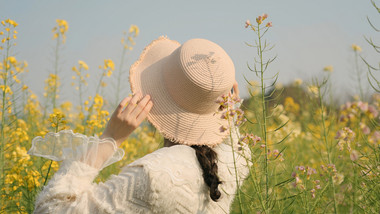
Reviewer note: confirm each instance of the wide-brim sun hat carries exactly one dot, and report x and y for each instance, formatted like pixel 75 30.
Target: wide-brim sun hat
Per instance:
pixel 184 83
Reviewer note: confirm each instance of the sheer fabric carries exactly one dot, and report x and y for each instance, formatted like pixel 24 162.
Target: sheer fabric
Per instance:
pixel 168 180
pixel 66 145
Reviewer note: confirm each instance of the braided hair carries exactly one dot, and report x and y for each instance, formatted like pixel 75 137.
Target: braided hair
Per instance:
pixel 207 158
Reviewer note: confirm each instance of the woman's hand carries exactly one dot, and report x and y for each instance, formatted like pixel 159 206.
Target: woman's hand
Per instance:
pixel 127 117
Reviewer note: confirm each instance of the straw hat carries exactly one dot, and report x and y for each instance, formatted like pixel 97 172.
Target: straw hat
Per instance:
pixel 184 82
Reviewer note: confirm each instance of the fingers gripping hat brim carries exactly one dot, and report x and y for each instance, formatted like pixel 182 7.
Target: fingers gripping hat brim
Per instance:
pixel 174 122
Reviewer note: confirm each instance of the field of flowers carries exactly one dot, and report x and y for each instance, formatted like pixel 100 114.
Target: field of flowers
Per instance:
pixel 308 154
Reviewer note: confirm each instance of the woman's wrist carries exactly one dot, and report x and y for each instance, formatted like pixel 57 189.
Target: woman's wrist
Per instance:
pixel 107 135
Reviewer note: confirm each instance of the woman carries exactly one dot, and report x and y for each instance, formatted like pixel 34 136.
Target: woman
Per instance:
pixel 177 88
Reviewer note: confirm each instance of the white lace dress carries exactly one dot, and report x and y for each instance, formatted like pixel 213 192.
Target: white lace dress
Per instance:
pixel 168 180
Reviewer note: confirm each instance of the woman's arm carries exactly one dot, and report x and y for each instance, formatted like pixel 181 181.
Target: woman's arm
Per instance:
pixel 124 121
pixel 71 189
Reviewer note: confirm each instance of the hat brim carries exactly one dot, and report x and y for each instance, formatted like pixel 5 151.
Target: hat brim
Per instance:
pixel 172 121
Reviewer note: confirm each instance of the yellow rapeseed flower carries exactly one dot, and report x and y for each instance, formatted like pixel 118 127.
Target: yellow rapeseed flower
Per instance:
pixel 109 64
pixel 6 89
pixel 356 48
pixel 109 73
pixel 62 23
pixel 135 30
pixel 313 90
pixel 11 22
pixel 12 60
pixel 83 65
pixel 328 68
pixel 57 118
pixel 297 82
pixel 60 30
pixel 103 84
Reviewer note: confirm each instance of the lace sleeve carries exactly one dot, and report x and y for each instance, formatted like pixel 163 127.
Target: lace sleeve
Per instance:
pixel 71 189
pixel 68 146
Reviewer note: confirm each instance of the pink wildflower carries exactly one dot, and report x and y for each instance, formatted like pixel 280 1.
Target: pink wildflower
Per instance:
pixel 365 129
pixel 312 193
pixel 354 155
pixel 345 136
pixel 294 174
pixel 372 110
pixel 269 24
pixel 298 180
pixel 250 139
pixel 363 106
pixel 332 167
pixel 247 23
pixel 224 115
pixel 375 137
pixel 222 129
pixel 264 16
pixel 310 171
pixel 259 20
pixel 323 167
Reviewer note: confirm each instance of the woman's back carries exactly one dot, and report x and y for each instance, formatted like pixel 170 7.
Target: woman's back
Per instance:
pixel 168 180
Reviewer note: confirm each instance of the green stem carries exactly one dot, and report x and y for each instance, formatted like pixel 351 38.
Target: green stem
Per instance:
pixel 56 72
pixel 359 76
pixel 257 188
pixel 354 190
pixel 51 162
pixel 2 125
pixel 264 113
pixel 326 144
pixel 92 103
pixel 47 174
pixel 234 160
pixel 119 76
pixel 80 91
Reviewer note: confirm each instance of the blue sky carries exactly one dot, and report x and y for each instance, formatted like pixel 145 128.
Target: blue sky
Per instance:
pixel 307 34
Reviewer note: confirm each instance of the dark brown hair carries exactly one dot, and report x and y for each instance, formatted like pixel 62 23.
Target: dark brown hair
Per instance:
pixel 207 158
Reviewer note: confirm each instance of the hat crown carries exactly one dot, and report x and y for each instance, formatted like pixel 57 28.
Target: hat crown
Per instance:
pixel 199 72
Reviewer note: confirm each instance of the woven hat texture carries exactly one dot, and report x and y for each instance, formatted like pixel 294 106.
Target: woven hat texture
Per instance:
pixel 184 82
